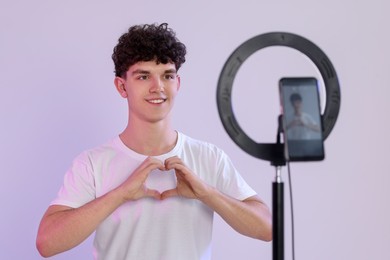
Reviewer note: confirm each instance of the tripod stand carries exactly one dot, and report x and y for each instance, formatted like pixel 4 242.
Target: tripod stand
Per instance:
pixel 278 199
pixel 278 216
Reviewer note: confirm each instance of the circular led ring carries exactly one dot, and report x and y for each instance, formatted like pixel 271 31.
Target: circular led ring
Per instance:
pixel 267 151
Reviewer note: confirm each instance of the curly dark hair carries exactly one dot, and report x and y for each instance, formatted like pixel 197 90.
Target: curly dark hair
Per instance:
pixel 295 97
pixel 145 43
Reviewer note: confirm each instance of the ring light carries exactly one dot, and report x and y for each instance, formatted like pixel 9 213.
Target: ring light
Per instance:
pixel 269 151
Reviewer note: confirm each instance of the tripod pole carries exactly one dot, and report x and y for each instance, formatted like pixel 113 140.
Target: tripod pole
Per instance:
pixel 278 216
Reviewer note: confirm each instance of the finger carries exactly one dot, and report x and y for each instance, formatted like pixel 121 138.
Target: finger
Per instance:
pixel 174 163
pixel 172 160
pixel 179 168
pixel 153 194
pixel 149 165
pixel 152 163
pixel 169 193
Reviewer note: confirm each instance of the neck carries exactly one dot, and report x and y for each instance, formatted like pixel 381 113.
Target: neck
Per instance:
pixel 150 139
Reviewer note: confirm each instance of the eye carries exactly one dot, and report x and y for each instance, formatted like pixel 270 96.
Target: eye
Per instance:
pixel 169 76
pixel 143 77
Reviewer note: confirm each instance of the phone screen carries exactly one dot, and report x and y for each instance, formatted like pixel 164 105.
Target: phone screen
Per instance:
pixel 302 124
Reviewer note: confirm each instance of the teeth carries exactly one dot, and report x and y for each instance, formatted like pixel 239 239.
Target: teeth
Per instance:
pixel 156 101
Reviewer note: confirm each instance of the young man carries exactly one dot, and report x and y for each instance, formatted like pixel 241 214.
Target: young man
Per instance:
pixel 150 192
pixel 301 125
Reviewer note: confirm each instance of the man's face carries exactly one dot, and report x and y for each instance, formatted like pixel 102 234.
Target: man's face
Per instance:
pixel 150 89
pixel 297 104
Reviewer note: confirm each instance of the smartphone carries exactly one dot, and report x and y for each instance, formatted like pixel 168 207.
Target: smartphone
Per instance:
pixel 301 119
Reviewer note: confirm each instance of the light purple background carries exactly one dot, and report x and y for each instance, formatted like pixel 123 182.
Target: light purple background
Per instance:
pixel 57 98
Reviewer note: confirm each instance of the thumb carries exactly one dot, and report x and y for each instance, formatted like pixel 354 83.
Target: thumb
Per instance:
pixel 153 194
pixel 169 193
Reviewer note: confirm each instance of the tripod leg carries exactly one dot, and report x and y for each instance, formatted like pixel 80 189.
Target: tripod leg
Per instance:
pixel 278 221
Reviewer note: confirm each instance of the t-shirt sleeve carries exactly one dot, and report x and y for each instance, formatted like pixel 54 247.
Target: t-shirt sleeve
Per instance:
pixel 230 181
pixel 78 187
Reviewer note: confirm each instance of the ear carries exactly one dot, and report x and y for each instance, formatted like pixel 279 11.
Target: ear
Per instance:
pixel 120 86
pixel 178 82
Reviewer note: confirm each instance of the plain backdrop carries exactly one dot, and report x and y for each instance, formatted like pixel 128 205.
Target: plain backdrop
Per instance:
pixel 57 98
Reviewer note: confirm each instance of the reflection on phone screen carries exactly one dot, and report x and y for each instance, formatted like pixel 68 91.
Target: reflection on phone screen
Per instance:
pixel 301 119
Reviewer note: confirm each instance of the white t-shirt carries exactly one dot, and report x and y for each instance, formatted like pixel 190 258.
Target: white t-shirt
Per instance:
pixel 302 132
pixel 172 229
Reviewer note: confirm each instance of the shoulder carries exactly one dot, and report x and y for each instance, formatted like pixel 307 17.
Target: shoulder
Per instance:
pixel 198 144
pixel 201 148
pixel 96 152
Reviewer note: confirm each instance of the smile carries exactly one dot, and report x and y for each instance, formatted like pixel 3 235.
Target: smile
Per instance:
pixel 156 101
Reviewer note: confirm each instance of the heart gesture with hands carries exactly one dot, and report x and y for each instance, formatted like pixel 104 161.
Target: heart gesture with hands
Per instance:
pixel 134 187
pixel 188 184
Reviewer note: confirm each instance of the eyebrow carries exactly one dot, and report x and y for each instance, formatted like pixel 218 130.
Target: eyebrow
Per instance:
pixel 146 72
pixel 139 71
pixel 170 71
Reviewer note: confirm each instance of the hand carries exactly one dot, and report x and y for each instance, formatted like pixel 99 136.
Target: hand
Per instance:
pixel 294 123
pixel 134 187
pixel 188 185
pixel 298 122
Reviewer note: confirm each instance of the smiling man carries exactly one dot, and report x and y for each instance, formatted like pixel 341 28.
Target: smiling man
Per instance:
pixel 150 192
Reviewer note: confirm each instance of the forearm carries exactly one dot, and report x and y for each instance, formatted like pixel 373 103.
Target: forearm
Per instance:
pixel 64 228
pixel 250 217
pixel 314 127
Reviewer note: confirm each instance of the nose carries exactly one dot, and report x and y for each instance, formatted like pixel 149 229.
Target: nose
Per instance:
pixel 157 86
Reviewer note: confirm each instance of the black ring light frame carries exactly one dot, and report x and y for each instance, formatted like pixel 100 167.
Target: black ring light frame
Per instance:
pixel 271 151
pixel 274 152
